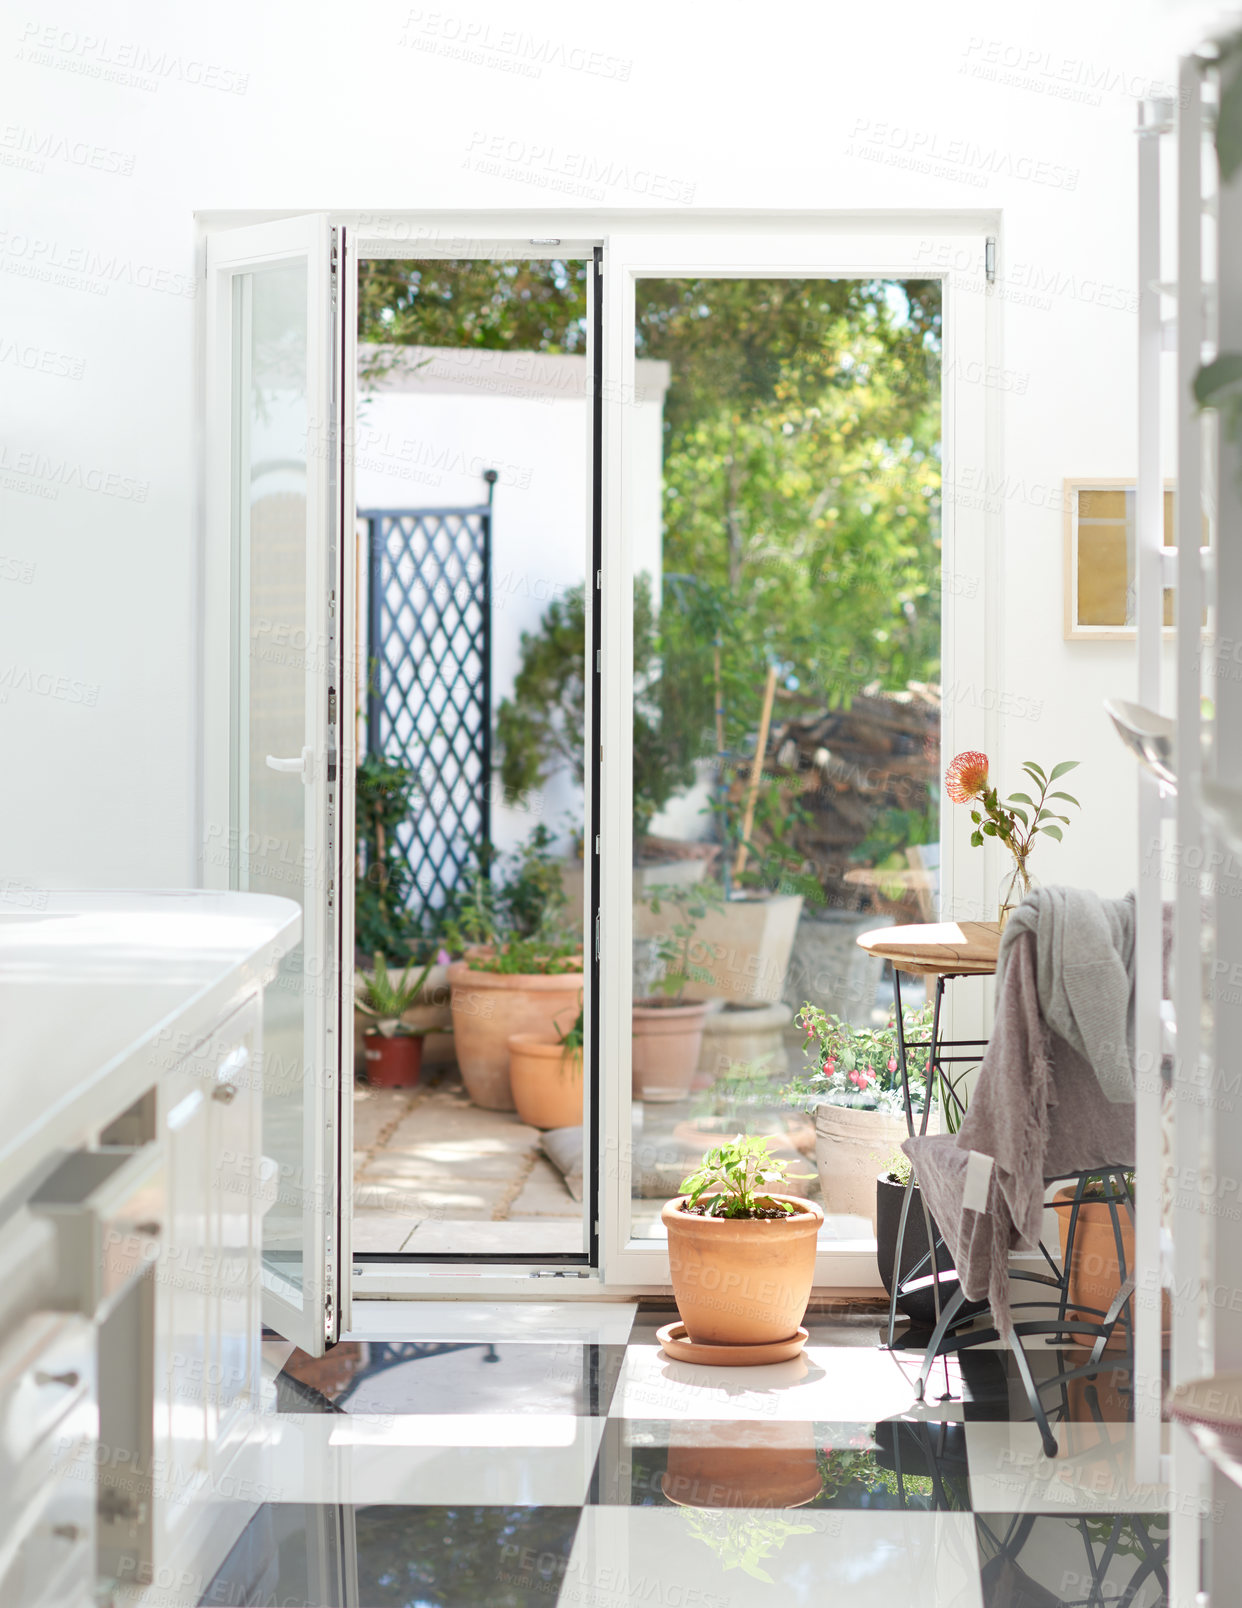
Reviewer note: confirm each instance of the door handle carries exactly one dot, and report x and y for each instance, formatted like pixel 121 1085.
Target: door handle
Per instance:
pixel 293 767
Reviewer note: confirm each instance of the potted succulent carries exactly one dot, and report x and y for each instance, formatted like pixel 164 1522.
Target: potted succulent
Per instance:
pixel 546 1076
pixel 741 1254
pixel 518 972
pixel 393 1050
pixel 667 1028
pixel 853 1091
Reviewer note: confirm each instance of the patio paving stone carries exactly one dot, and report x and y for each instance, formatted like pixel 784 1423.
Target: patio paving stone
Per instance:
pixel 544 1195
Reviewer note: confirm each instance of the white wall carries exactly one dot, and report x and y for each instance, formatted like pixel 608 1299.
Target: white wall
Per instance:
pixel 121 120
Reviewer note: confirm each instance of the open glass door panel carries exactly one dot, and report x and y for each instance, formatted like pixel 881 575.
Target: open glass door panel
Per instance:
pixel 271 657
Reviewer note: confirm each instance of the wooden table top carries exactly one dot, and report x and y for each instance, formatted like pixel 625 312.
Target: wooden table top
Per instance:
pixel 937 948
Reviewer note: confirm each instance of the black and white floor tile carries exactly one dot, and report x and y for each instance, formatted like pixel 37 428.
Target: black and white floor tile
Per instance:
pixel 503 1460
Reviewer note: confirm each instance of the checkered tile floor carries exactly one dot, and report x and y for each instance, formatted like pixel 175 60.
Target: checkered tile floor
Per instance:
pixel 524 1469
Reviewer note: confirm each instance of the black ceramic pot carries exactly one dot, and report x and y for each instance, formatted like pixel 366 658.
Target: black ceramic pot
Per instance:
pixel 918 1304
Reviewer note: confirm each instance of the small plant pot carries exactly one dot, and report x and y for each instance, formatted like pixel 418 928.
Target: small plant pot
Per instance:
pixel 546 1080
pixel 393 1063
pixel 1094 1271
pixel 742 1281
pixel 667 1040
pixel 918 1305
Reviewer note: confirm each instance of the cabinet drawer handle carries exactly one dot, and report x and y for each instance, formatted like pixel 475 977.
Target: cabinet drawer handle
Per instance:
pixel 226 1093
pixel 69 1379
pixel 151 1229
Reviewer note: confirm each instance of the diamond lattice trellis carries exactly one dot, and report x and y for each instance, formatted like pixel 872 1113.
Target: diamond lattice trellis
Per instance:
pixel 429 680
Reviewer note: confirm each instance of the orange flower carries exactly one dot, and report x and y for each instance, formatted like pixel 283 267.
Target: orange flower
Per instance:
pixel 967 776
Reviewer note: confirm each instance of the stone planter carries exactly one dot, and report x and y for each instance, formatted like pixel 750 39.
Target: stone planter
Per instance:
pixel 851 1147
pixel 665 1050
pixel 432 1011
pixel 747 1035
pixel 745 945
pixel 490 1006
pixel 829 969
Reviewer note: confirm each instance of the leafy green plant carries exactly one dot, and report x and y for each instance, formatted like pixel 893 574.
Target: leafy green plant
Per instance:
pixel 773 861
pixel 573 1040
pixel 383 920
pixel 530 957
pixel 386 1000
pixel 743 1540
pixel 514 904
pixel 691 902
pixel 733 1180
pixel 899 1169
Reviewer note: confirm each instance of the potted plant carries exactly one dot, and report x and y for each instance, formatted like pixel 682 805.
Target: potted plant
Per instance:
pixel 1016 823
pixel 919 1305
pixel 741 1254
pixel 546 1076
pixel 1095 1270
pixel 853 1091
pixel 517 974
pixel 394 1051
pixel 667 1029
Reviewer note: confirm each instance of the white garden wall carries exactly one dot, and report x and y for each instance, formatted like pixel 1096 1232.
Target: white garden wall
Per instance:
pixel 122 120
pixel 428 429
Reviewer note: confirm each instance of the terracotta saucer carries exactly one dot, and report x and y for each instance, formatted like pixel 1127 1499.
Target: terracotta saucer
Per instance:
pixel 681 1348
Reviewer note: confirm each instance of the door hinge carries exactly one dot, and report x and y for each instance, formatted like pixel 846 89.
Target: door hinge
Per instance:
pixel 989 259
pixel 560 1273
pixel 598 665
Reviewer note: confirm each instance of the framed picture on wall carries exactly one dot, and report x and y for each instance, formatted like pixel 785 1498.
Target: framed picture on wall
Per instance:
pixel 1099 559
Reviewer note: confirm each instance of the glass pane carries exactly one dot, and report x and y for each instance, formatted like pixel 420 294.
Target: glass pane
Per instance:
pixel 269 826
pixel 472 472
pixel 785 482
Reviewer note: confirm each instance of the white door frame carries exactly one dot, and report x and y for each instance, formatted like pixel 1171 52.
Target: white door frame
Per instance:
pixel 967 657
pixel 312 1316
pixel 950 246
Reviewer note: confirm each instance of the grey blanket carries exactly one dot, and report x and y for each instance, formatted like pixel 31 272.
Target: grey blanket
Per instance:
pixel 1037 1111
pixel 1084 971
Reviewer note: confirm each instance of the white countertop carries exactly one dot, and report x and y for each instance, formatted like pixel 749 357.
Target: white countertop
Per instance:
pixel 88 984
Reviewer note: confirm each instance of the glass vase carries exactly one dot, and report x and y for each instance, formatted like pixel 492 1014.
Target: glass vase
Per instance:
pixel 1015 885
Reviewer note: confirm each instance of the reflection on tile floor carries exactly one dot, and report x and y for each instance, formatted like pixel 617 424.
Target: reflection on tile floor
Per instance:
pixel 385 1377
pixel 509 1471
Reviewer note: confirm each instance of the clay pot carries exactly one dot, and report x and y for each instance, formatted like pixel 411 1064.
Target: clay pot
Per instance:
pixel 393 1063
pixel 431 1012
pixel 742 1281
pixel 666 1044
pixel 707 1468
pixel 488 1007
pixel 1094 1275
pixel 546 1080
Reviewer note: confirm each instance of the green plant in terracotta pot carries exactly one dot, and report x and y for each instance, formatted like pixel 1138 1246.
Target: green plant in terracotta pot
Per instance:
pixel 394 1051
pixel 519 973
pixel 741 1251
pixel 667 1028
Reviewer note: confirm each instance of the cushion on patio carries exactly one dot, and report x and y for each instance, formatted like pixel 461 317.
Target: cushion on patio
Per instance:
pixel 563 1148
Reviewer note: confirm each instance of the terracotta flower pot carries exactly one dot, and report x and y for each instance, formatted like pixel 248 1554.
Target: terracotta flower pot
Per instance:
pixel 490 1006
pixel 707 1467
pixel 431 1012
pixel 546 1080
pixel 666 1045
pixel 738 1280
pixel 393 1063
pixel 1094 1275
